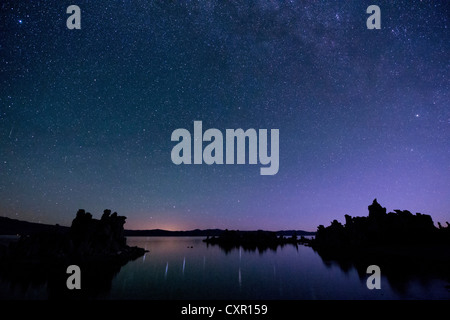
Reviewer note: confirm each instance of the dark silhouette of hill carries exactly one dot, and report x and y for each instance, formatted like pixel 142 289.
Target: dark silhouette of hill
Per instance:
pixel 98 247
pixel 10 226
pixel 168 233
pixel 202 233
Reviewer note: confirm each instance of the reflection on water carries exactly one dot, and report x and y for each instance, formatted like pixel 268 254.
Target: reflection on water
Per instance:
pixel 186 268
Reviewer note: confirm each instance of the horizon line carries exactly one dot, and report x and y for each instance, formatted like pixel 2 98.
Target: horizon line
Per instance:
pixel 168 230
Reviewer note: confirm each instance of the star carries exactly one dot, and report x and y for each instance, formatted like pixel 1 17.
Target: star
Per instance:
pixel 98 117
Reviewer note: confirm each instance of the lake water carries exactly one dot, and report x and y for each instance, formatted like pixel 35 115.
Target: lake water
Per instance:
pixel 187 268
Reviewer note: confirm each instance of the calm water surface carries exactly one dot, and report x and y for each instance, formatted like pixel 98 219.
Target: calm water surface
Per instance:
pixel 187 268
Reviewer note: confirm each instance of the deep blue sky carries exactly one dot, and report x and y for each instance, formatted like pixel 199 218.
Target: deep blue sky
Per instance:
pixel 86 115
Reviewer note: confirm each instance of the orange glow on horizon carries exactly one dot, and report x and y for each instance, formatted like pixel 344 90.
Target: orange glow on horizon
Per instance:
pixel 169 226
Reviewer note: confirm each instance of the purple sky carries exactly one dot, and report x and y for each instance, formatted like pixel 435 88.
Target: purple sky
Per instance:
pixel 87 115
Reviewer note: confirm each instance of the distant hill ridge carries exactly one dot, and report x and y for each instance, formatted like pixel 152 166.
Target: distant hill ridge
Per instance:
pixel 10 226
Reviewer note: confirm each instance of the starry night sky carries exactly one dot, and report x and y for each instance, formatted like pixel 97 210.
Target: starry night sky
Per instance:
pixel 86 115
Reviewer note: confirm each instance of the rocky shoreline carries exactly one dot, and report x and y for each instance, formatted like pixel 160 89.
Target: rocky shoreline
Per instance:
pixel 400 242
pixel 98 247
pixel 380 229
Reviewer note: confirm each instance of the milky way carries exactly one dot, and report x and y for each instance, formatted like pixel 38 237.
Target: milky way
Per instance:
pixel 86 115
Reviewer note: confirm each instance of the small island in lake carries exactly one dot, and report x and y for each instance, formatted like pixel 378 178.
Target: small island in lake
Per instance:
pixel 252 240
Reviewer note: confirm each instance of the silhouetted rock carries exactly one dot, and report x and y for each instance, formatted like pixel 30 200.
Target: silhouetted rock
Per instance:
pixel 376 211
pixel 379 228
pixel 400 242
pixel 393 236
pixel 87 238
pixel 98 247
pixel 98 237
pixel 251 240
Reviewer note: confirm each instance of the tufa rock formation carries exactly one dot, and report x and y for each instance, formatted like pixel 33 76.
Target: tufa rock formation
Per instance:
pixel 87 239
pixel 98 247
pixel 251 240
pixel 380 229
pixel 402 244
